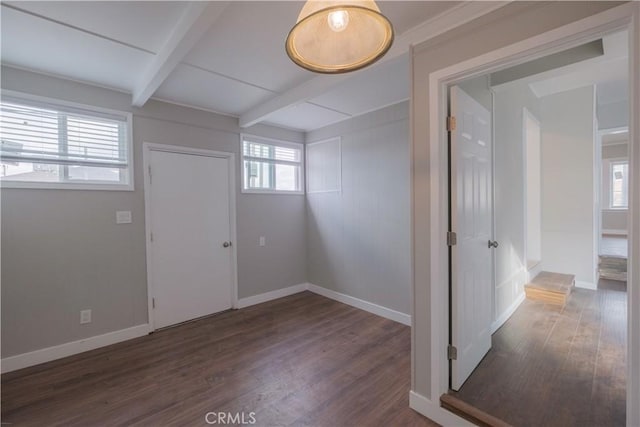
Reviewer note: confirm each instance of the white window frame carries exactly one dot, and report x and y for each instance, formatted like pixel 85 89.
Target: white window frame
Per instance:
pixel 277 143
pixel 610 165
pixel 76 185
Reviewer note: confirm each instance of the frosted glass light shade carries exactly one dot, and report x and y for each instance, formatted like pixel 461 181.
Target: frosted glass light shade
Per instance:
pixel 339 36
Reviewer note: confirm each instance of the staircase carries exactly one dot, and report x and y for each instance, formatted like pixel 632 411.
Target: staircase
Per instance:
pixel 613 267
pixel 552 288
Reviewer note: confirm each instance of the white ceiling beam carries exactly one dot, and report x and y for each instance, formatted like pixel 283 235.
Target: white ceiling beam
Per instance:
pixel 193 24
pixel 439 24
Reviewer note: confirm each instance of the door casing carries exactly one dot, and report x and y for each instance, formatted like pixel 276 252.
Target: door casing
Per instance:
pixel 146 157
pixel 624 17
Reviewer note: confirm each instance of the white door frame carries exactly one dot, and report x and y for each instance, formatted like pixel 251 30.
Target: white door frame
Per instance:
pixel 147 148
pixel 626 16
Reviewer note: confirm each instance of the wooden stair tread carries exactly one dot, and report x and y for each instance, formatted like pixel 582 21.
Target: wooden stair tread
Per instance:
pixel 552 288
pixel 470 412
pixel 552 283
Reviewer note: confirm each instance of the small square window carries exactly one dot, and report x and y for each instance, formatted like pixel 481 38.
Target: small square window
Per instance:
pixel 271 166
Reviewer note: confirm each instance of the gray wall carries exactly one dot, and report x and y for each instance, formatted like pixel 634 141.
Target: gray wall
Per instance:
pixel 509 196
pixel 512 23
pixel 568 184
pixel 359 239
pixel 62 251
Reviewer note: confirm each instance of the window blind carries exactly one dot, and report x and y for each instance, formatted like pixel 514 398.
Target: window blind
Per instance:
pixel 263 151
pixel 63 136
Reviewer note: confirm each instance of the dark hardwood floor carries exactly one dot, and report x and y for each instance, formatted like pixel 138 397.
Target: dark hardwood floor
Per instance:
pixel 555 366
pixel 301 360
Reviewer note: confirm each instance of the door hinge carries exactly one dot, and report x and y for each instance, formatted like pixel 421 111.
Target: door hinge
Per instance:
pixel 452 352
pixel 149 174
pixel 451 124
pixel 452 238
pixel 153 302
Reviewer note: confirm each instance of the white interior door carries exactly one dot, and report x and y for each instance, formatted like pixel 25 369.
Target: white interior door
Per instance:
pixel 191 264
pixel 471 217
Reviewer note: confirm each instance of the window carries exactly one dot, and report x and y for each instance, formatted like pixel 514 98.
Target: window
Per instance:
pixel 55 145
pixel 271 166
pixel 619 195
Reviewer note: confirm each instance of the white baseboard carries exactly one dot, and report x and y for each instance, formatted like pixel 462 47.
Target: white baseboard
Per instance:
pixel 507 314
pixel 379 310
pixel 268 296
pixel 48 354
pixel 435 412
pixel 586 285
pixel 615 232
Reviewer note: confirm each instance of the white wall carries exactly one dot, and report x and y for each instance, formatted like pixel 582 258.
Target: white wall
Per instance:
pixel 509 197
pixel 358 239
pixel 613 115
pixel 533 184
pixel 568 156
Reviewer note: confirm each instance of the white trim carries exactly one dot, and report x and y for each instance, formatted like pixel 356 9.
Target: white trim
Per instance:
pixel 507 313
pixel 561 38
pixel 278 143
pixel 615 232
pixel 24 360
pixel 379 310
pixel 147 147
pixel 585 285
pixel 195 21
pixel 77 185
pixel 435 412
pixel 269 296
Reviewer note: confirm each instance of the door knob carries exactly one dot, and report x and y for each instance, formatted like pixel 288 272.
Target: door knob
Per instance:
pixel 493 244
pixel 226 244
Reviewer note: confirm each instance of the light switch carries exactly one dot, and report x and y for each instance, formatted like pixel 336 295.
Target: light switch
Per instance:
pixel 261 242
pixel 123 217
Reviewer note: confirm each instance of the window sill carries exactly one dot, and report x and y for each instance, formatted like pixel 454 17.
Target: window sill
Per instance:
pixel 272 192
pixel 64 186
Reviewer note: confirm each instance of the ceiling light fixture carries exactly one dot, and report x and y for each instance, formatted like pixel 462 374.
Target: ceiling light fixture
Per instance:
pixel 339 36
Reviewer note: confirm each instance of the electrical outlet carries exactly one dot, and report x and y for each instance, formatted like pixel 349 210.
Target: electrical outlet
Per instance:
pixel 261 242
pixel 85 316
pixel 123 217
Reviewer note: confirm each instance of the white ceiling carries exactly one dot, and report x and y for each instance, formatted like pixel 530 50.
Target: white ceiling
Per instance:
pixel 229 60
pixel 608 72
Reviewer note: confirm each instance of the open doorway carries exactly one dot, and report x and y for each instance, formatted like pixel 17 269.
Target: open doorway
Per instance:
pixel 559 326
pixel 614 190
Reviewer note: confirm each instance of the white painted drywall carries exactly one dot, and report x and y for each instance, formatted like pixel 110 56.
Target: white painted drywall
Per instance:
pixel 568 179
pixel 533 210
pixel 509 197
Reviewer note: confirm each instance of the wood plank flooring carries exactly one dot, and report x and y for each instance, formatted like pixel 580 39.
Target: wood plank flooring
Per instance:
pixel 303 360
pixel 557 366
